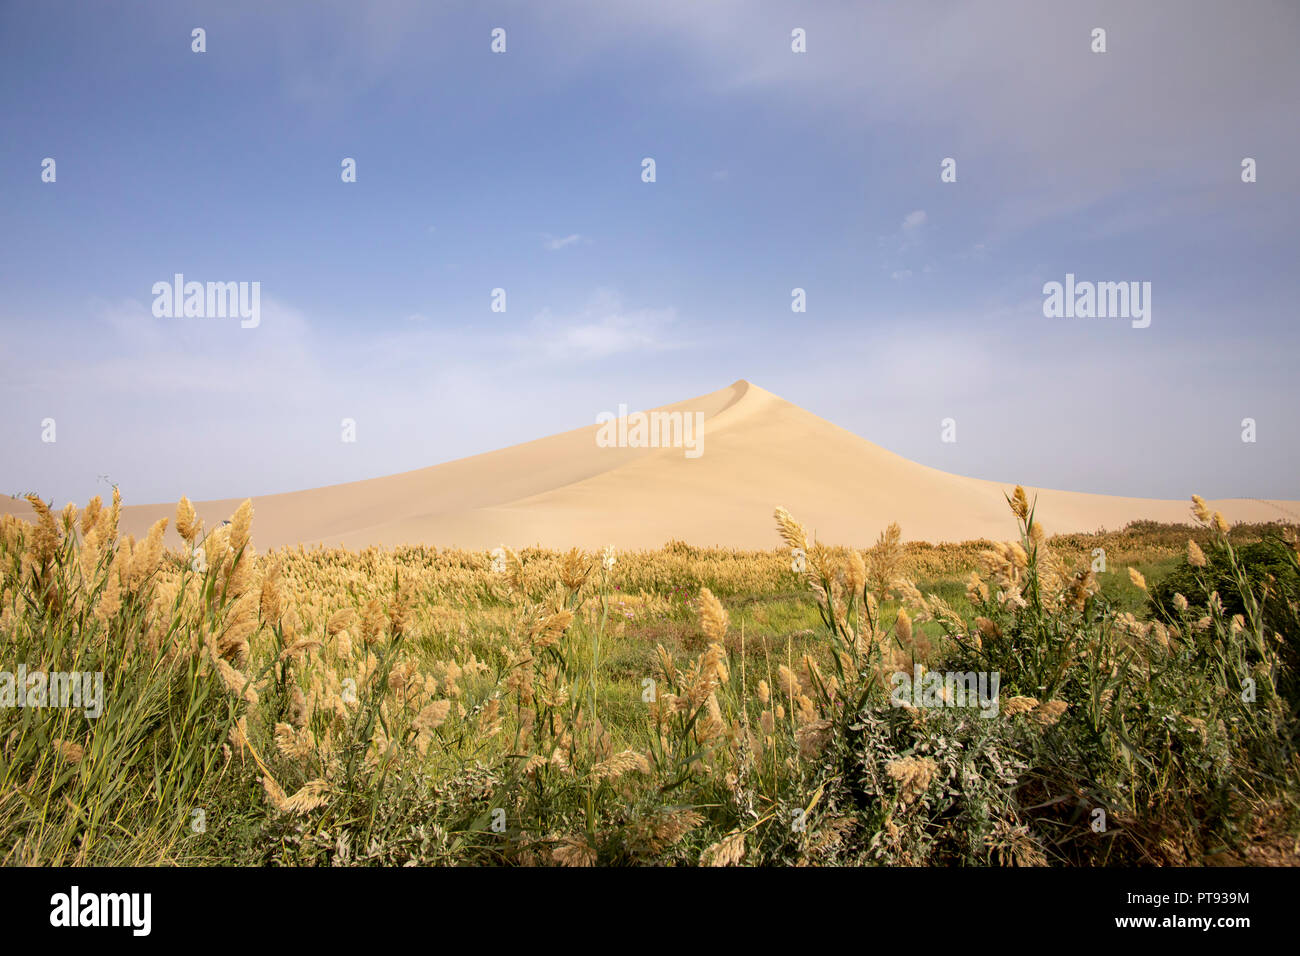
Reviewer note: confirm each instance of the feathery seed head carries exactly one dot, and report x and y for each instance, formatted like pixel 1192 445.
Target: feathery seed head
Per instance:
pixel 1200 510
pixel 791 531
pixel 713 617
pixel 1019 503
pixel 187 523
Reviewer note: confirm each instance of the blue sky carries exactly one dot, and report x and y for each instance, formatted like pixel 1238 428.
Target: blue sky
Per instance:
pixel 522 170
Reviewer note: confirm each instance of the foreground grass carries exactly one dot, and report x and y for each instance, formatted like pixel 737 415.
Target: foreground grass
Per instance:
pixel 685 705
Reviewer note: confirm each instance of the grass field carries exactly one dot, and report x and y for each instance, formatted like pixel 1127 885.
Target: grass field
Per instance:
pixel 680 706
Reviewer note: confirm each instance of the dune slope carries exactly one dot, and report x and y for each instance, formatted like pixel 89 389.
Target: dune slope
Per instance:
pixel 758 450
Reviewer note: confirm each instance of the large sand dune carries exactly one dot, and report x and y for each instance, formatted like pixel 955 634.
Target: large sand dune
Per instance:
pixel 758 451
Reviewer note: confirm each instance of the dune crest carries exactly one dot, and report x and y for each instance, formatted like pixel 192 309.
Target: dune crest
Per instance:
pixel 758 451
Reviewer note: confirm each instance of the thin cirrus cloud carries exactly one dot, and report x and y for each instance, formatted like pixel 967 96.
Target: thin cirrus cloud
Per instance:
pixel 912 227
pixel 604 327
pixel 554 243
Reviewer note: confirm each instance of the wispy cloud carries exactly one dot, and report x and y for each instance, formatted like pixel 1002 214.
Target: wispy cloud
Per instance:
pixel 554 243
pixel 604 327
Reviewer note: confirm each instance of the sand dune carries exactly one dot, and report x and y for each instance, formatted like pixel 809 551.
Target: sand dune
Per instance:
pixel 758 451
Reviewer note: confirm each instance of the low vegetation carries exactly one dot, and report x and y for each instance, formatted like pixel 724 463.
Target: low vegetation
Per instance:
pixel 684 706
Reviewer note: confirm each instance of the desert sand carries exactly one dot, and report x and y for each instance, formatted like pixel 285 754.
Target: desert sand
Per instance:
pixel 759 451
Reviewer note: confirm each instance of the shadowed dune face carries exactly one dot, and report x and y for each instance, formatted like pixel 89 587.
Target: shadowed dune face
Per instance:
pixel 756 450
